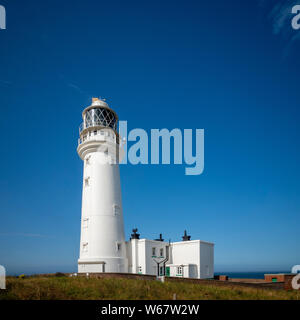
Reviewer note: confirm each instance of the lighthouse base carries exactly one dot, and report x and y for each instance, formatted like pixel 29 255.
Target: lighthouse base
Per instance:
pixel 103 265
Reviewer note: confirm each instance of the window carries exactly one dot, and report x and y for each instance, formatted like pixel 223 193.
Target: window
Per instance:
pixel 161 271
pixel 85 247
pixel 85 222
pixel 179 271
pixel 118 246
pixel 87 160
pixel 87 181
pixel 116 210
pixel 161 252
pixel 153 252
pixel 95 132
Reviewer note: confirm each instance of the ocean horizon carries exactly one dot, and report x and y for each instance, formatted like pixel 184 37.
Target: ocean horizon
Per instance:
pixel 234 275
pixel 249 275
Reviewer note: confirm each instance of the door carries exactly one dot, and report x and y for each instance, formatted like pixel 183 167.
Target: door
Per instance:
pixel 167 271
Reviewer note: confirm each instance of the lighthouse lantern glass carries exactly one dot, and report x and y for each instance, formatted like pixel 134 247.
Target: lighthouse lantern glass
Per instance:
pixel 100 117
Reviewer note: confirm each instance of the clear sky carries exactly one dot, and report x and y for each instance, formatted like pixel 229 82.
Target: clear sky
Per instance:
pixel 228 67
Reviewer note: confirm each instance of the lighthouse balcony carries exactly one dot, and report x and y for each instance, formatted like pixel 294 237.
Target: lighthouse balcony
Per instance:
pixel 91 125
pixel 98 135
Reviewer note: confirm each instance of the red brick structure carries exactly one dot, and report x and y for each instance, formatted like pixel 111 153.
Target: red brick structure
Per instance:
pixel 221 278
pixel 286 278
pixel 276 277
pixel 288 282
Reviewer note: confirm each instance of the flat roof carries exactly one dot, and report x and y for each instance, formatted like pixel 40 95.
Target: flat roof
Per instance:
pixel 192 241
pixel 177 242
pixel 151 240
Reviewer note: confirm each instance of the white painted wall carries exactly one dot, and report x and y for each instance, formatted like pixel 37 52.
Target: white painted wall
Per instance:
pixel 206 260
pixel 186 252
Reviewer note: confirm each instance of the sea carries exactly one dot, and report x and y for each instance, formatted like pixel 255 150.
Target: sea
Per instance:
pixel 249 275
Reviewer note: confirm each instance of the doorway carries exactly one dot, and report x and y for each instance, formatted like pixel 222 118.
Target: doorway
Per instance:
pixel 167 271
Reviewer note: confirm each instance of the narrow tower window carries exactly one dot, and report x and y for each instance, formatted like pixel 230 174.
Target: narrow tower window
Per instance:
pixel 87 159
pixel 87 181
pixel 116 210
pixel 85 222
pixel 85 247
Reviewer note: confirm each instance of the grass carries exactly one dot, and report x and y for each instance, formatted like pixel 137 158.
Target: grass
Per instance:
pixel 65 288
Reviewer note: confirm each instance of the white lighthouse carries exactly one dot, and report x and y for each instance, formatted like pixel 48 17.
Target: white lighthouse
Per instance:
pixel 102 241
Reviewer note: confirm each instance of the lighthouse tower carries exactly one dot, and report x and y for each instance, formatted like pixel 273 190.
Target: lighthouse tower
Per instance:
pixel 102 241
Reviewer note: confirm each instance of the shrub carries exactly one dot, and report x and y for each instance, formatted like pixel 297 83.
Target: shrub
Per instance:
pixel 59 274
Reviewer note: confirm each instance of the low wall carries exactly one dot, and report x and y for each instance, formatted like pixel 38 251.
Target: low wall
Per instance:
pixel 257 285
pixel 109 275
pixel 227 283
pixel 246 280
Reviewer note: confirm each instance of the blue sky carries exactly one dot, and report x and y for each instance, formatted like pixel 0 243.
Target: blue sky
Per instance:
pixel 227 67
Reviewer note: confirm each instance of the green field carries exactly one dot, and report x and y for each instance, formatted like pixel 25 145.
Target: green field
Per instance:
pixel 66 288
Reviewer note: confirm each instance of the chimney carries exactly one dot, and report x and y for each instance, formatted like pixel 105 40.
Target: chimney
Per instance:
pixel 135 235
pixel 186 237
pixel 160 238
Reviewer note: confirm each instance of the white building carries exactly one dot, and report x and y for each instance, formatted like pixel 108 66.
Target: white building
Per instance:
pixel 102 243
pixel 187 258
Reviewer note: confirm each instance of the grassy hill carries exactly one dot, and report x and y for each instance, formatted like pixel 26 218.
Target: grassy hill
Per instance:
pixel 66 288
